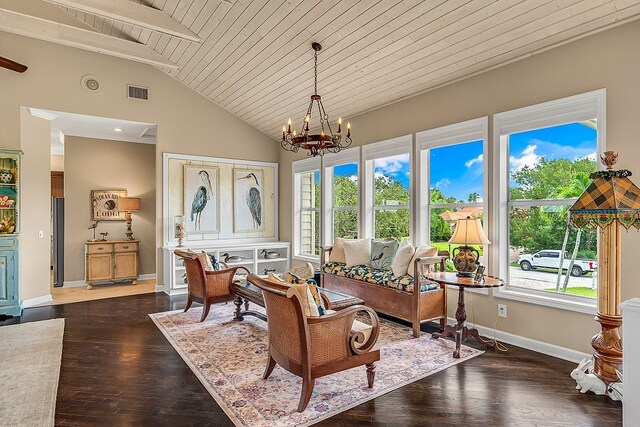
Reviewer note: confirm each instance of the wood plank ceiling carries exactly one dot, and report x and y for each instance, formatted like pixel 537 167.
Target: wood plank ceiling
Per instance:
pixel 256 59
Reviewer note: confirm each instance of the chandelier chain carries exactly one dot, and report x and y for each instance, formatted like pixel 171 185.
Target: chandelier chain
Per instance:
pixel 315 72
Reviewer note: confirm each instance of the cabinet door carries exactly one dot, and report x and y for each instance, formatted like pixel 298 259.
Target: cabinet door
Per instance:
pixel 8 284
pixel 126 265
pixel 99 267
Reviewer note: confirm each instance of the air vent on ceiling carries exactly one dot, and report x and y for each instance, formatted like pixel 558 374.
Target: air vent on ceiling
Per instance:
pixel 137 92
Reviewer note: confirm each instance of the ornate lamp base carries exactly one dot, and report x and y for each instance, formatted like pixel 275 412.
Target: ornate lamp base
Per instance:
pixel 608 348
pixel 128 233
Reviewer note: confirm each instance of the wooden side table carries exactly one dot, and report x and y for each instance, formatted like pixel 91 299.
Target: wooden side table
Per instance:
pixel 460 331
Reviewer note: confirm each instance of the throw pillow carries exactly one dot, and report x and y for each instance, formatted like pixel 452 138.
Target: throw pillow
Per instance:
pixel 309 307
pixel 206 260
pixel 337 252
pixel 382 253
pixel 306 271
pixel 357 252
pixel 313 288
pixel 422 251
pixel 403 258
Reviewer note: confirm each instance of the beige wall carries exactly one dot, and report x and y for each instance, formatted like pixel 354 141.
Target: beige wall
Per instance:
pixel 57 163
pixel 187 122
pixel 608 60
pixel 98 164
pixel 35 206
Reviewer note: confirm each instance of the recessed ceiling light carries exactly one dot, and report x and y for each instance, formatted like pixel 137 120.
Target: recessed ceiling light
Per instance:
pixel 118 129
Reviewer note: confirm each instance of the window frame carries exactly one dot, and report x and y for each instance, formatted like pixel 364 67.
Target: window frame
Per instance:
pixel 300 167
pixel 379 150
pixel 557 112
pixel 329 161
pixel 444 136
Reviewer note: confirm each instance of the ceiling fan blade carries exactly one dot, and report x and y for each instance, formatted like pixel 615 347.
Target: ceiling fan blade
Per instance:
pixel 12 65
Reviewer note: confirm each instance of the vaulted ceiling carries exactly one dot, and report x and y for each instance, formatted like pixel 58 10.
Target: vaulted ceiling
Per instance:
pixel 255 58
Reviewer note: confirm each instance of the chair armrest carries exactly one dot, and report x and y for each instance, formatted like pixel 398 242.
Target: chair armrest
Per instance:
pixel 325 298
pixel 350 313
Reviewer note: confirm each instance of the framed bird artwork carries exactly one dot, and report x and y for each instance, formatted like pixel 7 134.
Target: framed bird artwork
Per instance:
pixel 201 199
pixel 248 200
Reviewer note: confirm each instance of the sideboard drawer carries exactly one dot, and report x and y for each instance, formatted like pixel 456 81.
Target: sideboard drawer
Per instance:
pixel 126 247
pixel 100 248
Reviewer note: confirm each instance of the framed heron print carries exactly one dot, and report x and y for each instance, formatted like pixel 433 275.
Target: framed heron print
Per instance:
pixel 201 199
pixel 248 200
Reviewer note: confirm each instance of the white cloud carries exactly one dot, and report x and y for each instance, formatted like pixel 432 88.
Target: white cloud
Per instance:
pixel 353 178
pixel 444 182
pixel 474 161
pixel 391 165
pixel 528 157
pixel 591 156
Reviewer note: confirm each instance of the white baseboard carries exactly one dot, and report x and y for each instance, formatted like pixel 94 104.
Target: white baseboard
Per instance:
pixel 32 302
pixel 531 344
pixel 78 283
pixel 159 287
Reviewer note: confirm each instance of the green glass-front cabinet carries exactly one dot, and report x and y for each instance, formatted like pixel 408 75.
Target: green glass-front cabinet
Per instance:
pixel 9 231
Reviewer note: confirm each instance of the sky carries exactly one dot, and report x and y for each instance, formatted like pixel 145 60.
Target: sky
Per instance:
pixel 457 170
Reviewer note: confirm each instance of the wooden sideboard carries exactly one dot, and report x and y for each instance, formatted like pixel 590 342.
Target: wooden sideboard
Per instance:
pixel 111 260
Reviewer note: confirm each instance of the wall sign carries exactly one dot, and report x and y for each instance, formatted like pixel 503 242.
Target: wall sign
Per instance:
pixel 103 205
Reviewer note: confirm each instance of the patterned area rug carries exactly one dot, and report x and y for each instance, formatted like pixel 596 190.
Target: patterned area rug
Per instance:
pixel 229 359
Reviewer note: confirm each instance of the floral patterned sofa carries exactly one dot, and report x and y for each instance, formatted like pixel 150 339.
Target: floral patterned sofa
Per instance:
pixel 389 294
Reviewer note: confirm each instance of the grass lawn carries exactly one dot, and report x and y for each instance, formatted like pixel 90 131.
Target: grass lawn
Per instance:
pixel 579 291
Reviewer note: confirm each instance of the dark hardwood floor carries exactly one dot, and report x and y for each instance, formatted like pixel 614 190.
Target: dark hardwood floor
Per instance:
pixel 119 370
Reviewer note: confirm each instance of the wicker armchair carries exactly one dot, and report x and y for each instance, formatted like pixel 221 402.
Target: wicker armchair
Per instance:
pixel 312 347
pixel 206 286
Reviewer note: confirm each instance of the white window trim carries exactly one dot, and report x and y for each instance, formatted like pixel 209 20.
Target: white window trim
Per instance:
pixel 553 113
pixel 329 161
pixel 371 152
pixel 457 133
pixel 299 167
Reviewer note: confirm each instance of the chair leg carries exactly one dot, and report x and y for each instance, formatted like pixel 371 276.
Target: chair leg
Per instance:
pixel 205 310
pixel 305 395
pixel 371 374
pixel 443 322
pixel 271 363
pixel 189 302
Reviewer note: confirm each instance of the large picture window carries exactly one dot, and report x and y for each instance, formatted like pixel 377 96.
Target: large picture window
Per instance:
pixel 388 189
pixel 452 180
pixel 546 155
pixel 341 193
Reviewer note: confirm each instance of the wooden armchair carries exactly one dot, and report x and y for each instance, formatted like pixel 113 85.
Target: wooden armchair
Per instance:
pixel 312 347
pixel 206 286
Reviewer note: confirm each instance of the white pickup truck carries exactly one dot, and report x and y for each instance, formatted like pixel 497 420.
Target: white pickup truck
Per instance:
pixel 551 259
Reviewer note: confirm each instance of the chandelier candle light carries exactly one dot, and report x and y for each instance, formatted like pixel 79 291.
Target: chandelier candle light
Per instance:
pixel 326 141
pixel 465 258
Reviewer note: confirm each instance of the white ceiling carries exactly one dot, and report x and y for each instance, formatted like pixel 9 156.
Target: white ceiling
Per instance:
pixel 70 124
pixel 256 61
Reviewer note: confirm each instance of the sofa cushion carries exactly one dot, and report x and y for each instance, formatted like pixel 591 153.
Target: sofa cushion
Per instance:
pixel 403 257
pixel 374 276
pixel 302 291
pixel 313 290
pixel 357 252
pixel 422 251
pixel 382 253
pixel 337 251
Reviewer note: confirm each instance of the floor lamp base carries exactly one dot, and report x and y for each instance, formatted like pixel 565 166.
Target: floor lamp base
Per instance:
pixel 608 348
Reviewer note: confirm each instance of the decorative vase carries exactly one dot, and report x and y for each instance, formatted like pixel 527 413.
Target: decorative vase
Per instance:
pixel 465 260
pixel 6 176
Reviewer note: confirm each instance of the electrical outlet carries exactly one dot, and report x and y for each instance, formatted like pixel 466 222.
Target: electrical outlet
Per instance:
pixel 502 310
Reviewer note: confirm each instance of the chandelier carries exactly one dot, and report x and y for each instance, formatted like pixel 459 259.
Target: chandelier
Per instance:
pixel 324 142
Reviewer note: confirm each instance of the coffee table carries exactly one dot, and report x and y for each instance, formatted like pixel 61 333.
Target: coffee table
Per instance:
pixel 246 292
pixel 460 331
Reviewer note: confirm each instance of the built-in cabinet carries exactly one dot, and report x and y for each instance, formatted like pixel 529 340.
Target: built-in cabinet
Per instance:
pixel 259 258
pixel 9 231
pixel 111 260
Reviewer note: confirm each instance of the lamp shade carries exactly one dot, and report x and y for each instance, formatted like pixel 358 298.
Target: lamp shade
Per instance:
pixel 128 204
pixel 469 231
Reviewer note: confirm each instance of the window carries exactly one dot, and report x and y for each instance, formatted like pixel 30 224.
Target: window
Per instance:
pixel 388 189
pixel 452 180
pixel 306 206
pixel 546 155
pixel 341 194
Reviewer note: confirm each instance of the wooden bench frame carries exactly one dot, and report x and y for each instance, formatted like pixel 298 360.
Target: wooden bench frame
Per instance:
pixel 415 307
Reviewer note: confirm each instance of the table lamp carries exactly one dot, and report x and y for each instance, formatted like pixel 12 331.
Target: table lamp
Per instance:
pixel 128 205
pixel 465 258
